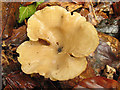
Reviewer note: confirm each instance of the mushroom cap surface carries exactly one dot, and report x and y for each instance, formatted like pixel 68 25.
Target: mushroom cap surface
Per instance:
pixel 71 39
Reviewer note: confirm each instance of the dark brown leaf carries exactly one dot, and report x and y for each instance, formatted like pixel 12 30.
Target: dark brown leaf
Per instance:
pixel 9 9
pixel 119 79
pixel 89 72
pixel 8 87
pixel 84 12
pixel 26 3
pixel 45 83
pixel 116 8
pixel 98 82
pixel 4 59
pixel 107 53
pixel 109 72
pixel 95 13
pixel 42 5
pixel 18 36
pixel 112 42
pixel 20 80
pixel 70 6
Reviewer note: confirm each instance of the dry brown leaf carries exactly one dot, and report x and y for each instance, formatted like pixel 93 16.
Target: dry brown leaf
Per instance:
pixel 42 5
pixel 70 6
pixel 20 80
pixel 116 8
pixel 98 82
pixel 8 18
pixel 112 42
pixel 106 53
pixel 18 36
pixel 109 72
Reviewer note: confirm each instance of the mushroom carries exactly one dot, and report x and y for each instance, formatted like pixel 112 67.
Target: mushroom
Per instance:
pixel 71 38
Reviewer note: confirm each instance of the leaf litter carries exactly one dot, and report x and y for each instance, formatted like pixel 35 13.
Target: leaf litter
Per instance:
pixel 107 53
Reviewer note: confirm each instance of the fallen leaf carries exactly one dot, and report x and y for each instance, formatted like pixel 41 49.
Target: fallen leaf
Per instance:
pixel 45 83
pixel 38 3
pixel 44 4
pixel 18 36
pixel 108 26
pixel 109 72
pixel 19 80
pixel 119 79
pixel 84 12
pixel 116 8
pixel 95 13
pixel 70 6
pixel 105 54
pixel 26 3
pixel 112 42
pixel 98 82
pixel 25 12
pixel 8 86
pixel 9 10
pixel 105 7
pixel 4 59
pixel 101 16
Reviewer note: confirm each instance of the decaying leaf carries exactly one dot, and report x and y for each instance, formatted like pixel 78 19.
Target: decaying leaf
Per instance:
pixel 18 36
pixel 41 6
pixel 20 80
pixel 112 42
pixel 98 82
pixel 119 79
pixel 9 10
pixel 9 60
pixel 96 14
pixel 109 26
pixel 26 3
pixel 45 83
pixel 109 72
pixel 4 59
pixel 105 54
pixel 70 6
pixel 116 8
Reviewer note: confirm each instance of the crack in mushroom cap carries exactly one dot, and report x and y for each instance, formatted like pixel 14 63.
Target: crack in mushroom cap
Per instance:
pixel 67 34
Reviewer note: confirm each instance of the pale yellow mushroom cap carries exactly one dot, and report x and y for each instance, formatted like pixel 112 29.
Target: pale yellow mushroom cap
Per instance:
pixel 67 34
